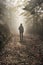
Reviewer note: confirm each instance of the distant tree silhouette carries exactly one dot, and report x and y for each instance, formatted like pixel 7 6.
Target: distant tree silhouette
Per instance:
pixel 34 7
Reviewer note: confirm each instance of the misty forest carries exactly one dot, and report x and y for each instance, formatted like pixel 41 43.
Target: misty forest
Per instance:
pixel 29 51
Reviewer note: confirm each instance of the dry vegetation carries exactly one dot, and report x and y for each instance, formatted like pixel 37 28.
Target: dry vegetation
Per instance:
pixel 28 52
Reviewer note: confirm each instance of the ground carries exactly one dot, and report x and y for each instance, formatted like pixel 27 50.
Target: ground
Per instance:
pixel 28 52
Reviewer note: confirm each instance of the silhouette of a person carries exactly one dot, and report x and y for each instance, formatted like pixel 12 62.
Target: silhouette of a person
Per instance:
pixel 21 30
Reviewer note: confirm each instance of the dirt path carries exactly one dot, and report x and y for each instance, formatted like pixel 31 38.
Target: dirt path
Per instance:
pixel 22 53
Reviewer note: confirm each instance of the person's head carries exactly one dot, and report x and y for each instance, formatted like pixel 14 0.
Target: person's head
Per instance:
pixel 21 24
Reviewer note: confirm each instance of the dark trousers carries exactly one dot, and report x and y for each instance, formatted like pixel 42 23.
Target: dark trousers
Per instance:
pixel 21 36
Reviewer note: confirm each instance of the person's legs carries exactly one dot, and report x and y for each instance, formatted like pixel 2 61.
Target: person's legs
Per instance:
pixel 22 36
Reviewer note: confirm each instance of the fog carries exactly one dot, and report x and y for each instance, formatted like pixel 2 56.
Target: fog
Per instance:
pixel 13 14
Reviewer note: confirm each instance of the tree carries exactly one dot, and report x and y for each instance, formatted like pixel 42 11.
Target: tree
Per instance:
pixel 4 28
pixel 35 8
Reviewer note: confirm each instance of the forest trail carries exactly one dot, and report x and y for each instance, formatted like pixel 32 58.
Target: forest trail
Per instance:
pixel 22 53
